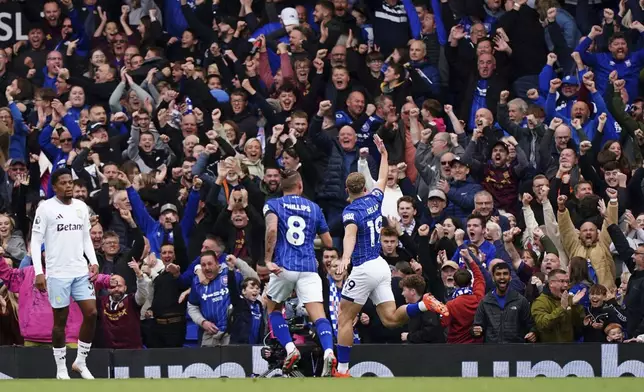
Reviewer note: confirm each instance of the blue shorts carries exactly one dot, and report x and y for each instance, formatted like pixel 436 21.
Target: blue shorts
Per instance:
pixel 61 289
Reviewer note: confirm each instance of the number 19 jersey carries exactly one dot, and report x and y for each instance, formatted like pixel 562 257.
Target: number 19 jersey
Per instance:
pixel 298 222
pixel 364 212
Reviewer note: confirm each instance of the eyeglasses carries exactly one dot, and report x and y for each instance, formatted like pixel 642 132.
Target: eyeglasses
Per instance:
pixel 445 163
pixel 66 140
pixel 120 41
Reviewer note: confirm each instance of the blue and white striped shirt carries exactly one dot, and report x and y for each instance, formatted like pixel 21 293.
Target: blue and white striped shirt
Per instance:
pixel 364 212
pixel 298 222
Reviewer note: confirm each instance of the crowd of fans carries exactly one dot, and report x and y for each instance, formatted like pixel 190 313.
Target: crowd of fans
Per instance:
pixel 514 133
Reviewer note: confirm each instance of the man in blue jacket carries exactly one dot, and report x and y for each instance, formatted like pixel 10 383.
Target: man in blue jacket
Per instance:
pixel 628 65
pixel 157 231
pixel 460 190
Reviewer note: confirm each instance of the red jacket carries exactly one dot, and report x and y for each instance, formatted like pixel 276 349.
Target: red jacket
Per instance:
pixel 462 310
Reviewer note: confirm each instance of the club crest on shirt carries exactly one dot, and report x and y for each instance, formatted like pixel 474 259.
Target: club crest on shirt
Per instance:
pixel 37 220
pixel 79 213
pixel 224 280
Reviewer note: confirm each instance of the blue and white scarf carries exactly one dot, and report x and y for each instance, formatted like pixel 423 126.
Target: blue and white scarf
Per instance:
pixel 335 296
pixel 334 305
pixel 462 291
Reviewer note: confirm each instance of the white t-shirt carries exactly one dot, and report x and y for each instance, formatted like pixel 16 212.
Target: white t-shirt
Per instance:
pixel 64 227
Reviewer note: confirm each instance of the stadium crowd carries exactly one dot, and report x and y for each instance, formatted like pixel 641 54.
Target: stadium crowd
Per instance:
pixel 515 140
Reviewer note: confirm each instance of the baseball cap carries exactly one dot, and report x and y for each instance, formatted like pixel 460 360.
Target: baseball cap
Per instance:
pixel 502 144
pixel 450 263
pixel 456 160
pixel 18 160
pixel 220 95
pixel 289 17
pixel 437 193
pixel 93 127
pixel 168 207
pixel 570 79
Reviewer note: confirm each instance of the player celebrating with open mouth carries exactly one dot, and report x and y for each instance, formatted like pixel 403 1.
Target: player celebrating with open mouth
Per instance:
pixel 371 276
pixel 62 224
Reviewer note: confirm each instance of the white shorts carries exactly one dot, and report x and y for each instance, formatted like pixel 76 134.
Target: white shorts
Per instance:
pixel 307 286
pixel 60 290
pixel 371 279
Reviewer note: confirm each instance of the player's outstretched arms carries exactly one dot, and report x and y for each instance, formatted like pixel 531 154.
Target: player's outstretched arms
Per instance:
pixel 383 171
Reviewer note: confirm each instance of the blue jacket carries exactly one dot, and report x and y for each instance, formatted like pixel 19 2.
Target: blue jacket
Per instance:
pixel 568 28
pixel 18 141
pixel 461 197
pixel 187 276
pixel 56 156
pixel 393 31
pixel 610 132
pixel 153 229
pixel 429 74
pixel 604 63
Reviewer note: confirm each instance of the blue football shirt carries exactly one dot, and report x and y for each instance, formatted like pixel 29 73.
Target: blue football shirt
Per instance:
pixel 365 213
pixel 299 220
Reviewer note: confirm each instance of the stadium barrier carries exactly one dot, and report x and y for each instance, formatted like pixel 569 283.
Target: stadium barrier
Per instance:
pixel 538 360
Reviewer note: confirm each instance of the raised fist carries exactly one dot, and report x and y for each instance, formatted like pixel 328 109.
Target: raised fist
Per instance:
pixel 533 94
pixel 505 94
pixel 561 202
pixel 552 59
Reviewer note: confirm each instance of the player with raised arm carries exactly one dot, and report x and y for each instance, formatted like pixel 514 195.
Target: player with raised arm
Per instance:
pixel 371 276
pixel 62 224
pixel 292 223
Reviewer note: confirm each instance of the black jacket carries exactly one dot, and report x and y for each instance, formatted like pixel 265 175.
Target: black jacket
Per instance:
pixel 332 189
pixel 635 289
pixel 426 329
pixel 507 325
pixel 242 317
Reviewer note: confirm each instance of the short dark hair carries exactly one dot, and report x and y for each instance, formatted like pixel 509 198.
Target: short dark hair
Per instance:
pixel 55 176
pixel 332 249
pixel 404 268
pixel 598 289
pixel 500 266
pixel 208 253
pixel 478 216
pixel 414 282
pixel 610 166
pixel 616 35
pixel 462 278
pixel 406 199
pixel 250 282
pixel 327 4
pixel 80 183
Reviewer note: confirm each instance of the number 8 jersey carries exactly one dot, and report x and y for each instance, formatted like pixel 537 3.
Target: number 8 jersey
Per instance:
pixel 364 212
pixel 298 222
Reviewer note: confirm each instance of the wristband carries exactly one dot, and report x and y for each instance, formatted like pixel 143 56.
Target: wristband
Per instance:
pixel 613 200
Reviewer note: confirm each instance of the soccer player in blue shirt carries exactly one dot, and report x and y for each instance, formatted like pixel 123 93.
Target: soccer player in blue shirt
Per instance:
pixel 292 223
pixel 371 276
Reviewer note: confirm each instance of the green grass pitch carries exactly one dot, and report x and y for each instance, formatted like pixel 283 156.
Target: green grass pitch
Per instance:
pixel 327 385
